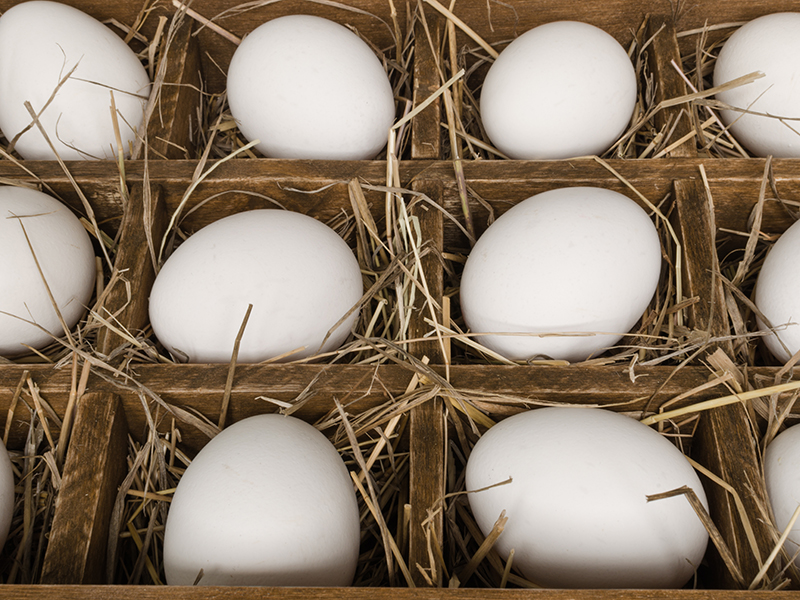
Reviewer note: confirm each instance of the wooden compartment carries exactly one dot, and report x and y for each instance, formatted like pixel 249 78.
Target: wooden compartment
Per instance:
pixel 724 440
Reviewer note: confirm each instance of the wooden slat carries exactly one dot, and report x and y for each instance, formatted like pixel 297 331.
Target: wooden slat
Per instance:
pixel 22 592
pixel 428 430
pixel 724 440
pixel 94 468
pixel 134 261
pixel 169 130
pixel 669 84
pixel 425 134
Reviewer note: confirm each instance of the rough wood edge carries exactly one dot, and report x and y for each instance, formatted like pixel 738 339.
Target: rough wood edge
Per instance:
pixel 94 468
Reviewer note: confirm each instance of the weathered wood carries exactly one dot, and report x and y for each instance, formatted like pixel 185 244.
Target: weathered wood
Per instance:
pixel 428 429
pixel 697 233
pixel 95 465
pixel 724 440
pixel 200 387
pixel 725 444
pixel 668 84
pixel 425 133
pixel 135 264
pixel 86 592
pixel 169 130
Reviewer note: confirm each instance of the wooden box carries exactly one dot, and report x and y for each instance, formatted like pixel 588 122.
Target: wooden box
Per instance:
pixel 422 389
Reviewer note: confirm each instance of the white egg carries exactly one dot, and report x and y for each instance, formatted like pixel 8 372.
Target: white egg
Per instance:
pixel 580 261
pixel 6 494
pixel 298 274
pixel 559 90
pixel 782 477
pixel 42 42
pixel 777 295
pixel 307 87
pixel 267 502
pixel 577 508
pixel 770 45
pixel 65 255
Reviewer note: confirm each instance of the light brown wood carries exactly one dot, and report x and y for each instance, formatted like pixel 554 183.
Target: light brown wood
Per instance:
pixel 94 468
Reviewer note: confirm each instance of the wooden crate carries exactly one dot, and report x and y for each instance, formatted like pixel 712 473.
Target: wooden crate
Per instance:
pixel 724 441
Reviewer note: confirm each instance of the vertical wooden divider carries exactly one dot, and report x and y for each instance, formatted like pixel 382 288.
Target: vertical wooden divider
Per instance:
pixel 427 424
pixel 96 459
pixel 724 442
pixel 95 466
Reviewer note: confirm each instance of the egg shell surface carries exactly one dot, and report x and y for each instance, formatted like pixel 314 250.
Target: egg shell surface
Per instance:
pixel 578 515
pixel 40 43
pixel 269 502
pixel 777 294
pixel 559 90
pixel 307 87
pixel 298 274
pixel 770 45
pixel 6 494
pixel 782 478
pixel 575 259
pixel 65 255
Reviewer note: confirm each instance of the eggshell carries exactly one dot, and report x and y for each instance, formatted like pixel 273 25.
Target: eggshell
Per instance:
pixel 6 494
pixel 307 87
pixel 65 255
pixel 577 508
pixel 782 478
pixel 567 260
pixel 266 502
pixel 559 90
pixel 298 274
pixel 769 45
pixel 778 294
pixel 40 43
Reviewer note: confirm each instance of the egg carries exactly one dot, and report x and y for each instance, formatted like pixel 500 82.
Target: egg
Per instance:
pixel 572 268
pixel 777 295
pixel 768 45
pixel 6 494
pixel 559 90
pixel 577 507
pixel 307 87
pixel 41 43
pixel 267 502
pixel 33 224
pixel 782 478
pixel 298 274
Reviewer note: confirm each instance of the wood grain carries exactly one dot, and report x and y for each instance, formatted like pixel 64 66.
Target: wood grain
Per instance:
pixel 128 299
pixel 94 468
pixel 668 84
pixel 86 592
pixel 169 130
pixel 428 430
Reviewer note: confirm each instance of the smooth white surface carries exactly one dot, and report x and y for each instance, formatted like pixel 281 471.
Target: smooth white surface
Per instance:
pixel 298 274
pixel 778 294
pixel 6 494
pixel 40 42
pixel 577 511
pixel 266 502
pixel 559 90
pixel 782 476
pixel 65 255
pixel 769 44
pixel 567 260
pixel 307 87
